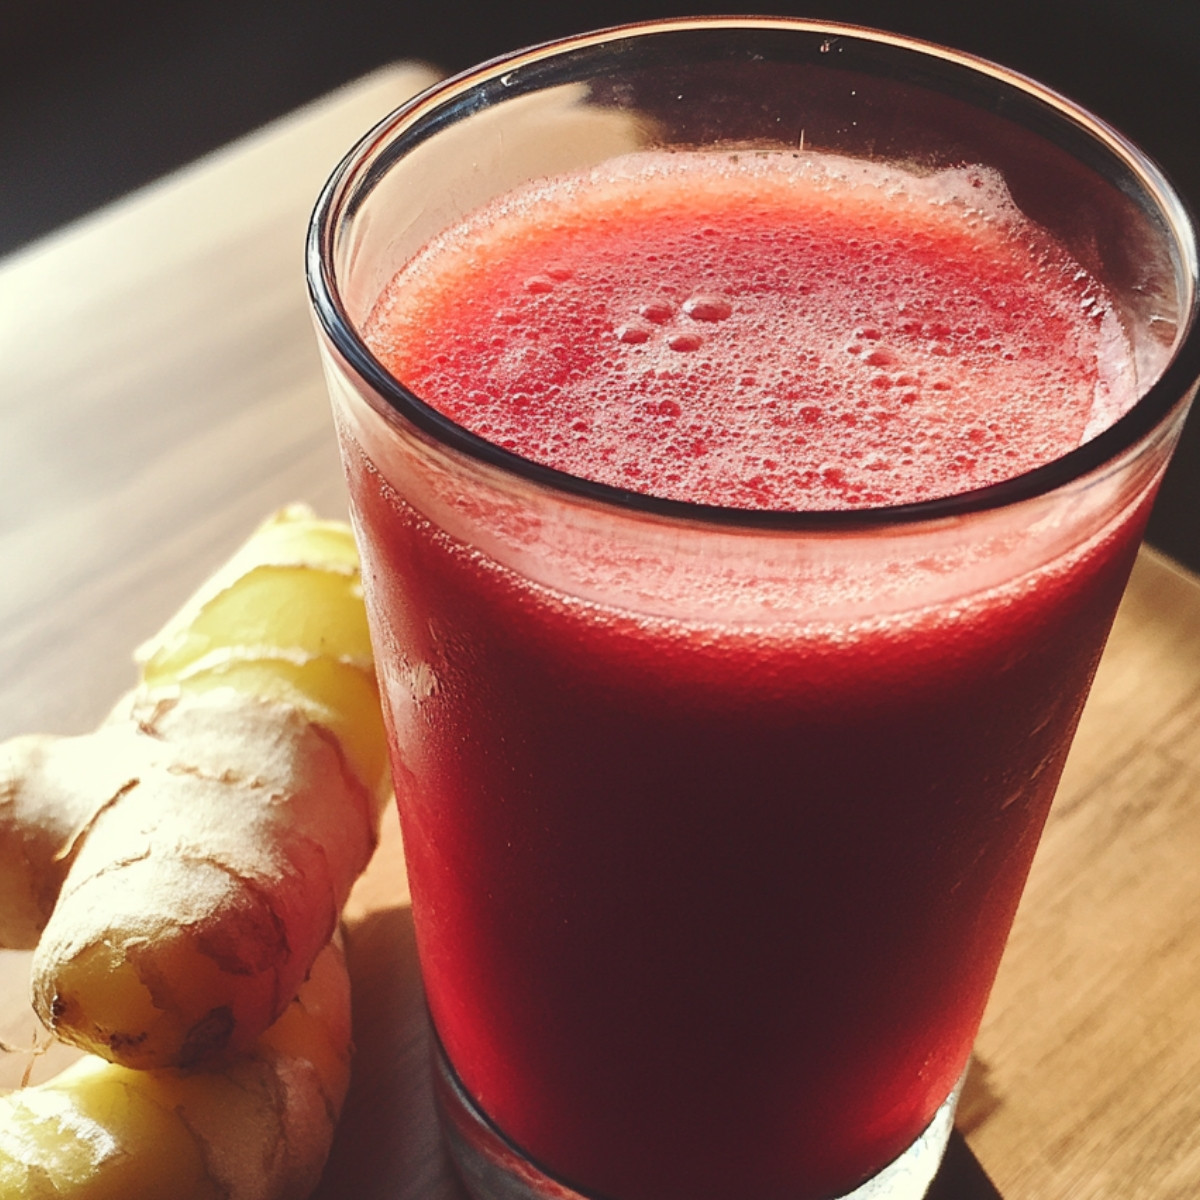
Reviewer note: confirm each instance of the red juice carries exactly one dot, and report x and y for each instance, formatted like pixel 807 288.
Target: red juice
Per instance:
pixel 709 906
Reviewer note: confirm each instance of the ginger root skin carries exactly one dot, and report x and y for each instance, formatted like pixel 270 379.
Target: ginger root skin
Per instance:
pixel 38 827
pixel 197 848
pixel 258 1127
pixel 206 886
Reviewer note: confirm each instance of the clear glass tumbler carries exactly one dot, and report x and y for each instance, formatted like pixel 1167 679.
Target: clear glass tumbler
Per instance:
pixel 716 819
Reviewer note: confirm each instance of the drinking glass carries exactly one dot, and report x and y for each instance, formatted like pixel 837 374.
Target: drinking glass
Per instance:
pixel 716 819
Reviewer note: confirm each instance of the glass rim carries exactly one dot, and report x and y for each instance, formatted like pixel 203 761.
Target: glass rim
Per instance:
pixel 1151 409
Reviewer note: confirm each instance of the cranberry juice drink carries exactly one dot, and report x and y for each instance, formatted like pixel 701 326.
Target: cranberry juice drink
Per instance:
pixel 778 864
pixel 734 610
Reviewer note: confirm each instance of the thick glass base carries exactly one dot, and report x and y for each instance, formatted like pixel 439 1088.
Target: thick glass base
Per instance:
pixel 493 1169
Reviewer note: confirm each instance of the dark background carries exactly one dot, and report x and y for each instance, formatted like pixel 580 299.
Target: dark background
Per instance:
pixel 100 96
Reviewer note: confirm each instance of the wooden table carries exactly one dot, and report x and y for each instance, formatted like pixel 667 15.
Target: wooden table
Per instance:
pixel 160 393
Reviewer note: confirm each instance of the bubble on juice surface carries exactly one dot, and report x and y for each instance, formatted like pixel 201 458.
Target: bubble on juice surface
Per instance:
pixel 705 307
pixel 659 312
pixel 632 334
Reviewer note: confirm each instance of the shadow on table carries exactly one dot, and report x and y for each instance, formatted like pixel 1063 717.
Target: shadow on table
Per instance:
pixel 387 1143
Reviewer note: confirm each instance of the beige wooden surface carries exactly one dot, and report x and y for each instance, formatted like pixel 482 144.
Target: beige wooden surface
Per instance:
pixel 159 393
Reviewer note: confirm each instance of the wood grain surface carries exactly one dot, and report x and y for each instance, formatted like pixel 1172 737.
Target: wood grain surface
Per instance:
pixel 160 393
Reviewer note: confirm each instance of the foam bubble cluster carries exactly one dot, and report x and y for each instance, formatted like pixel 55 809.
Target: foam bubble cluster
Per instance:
pixel 767 330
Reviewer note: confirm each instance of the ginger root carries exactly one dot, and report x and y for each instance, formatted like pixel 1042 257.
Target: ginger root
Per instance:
pixel 257 1126
pixel 185 863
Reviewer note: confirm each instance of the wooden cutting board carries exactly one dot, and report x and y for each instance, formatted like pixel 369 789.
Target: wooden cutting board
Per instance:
pixel 160 393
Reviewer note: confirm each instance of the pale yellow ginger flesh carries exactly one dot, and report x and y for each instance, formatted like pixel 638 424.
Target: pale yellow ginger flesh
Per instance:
pixel 256 1127
pixel 202 842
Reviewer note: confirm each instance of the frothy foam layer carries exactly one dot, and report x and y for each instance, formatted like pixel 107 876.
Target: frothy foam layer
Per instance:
pixel 766 330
